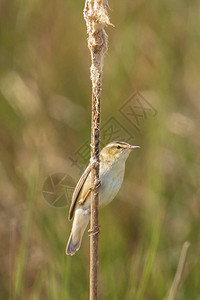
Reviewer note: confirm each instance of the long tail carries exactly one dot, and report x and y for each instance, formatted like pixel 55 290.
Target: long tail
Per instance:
pixel 80 223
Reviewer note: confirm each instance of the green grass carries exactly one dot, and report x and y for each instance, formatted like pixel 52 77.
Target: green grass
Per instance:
pixel 45 95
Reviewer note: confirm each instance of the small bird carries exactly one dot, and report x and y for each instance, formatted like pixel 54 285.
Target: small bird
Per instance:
pixel 111 173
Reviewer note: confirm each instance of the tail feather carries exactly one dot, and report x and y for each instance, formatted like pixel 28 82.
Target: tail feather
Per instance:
pixel 71 247
pixel 80 223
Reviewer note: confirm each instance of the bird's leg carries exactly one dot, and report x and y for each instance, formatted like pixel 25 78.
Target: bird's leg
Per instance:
pixel 82 201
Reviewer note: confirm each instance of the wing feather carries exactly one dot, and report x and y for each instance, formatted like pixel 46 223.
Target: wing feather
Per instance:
pixel 78 189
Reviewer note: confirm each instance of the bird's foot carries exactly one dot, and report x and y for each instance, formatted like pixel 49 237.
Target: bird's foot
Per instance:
pixel 95 231
pixel 97 185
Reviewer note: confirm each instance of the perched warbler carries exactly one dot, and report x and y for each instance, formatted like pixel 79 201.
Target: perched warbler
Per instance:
pixel 111 173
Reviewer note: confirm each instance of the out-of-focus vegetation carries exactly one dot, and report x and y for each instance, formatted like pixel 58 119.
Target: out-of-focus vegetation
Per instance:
pixel 45 117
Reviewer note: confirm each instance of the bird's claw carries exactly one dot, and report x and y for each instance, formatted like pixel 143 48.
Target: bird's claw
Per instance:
pixel 95 231
pixel 97 185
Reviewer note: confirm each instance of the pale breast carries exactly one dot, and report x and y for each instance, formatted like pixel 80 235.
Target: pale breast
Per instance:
pixel 110 185
pixel 111 181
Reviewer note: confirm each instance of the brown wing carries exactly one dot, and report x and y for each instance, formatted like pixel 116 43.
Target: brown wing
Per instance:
pixel 77 190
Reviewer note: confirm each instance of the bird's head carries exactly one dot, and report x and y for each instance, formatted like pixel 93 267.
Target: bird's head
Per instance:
pixel 117 151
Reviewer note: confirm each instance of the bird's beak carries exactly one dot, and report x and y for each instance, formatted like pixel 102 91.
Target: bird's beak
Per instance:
pixel 133 147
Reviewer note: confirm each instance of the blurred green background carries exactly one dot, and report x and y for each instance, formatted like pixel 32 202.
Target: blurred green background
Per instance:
pixel 45 94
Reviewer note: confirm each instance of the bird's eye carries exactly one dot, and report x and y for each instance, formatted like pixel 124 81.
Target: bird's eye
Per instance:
pixel 119 147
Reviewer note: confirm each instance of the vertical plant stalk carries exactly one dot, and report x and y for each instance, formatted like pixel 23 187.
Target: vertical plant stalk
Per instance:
pixel 96 17
pixel 179 271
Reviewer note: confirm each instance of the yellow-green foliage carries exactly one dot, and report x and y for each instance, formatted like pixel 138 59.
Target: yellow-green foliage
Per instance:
pixel 45 93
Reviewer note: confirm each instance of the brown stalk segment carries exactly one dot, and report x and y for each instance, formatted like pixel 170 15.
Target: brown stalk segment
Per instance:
pixel 96 17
